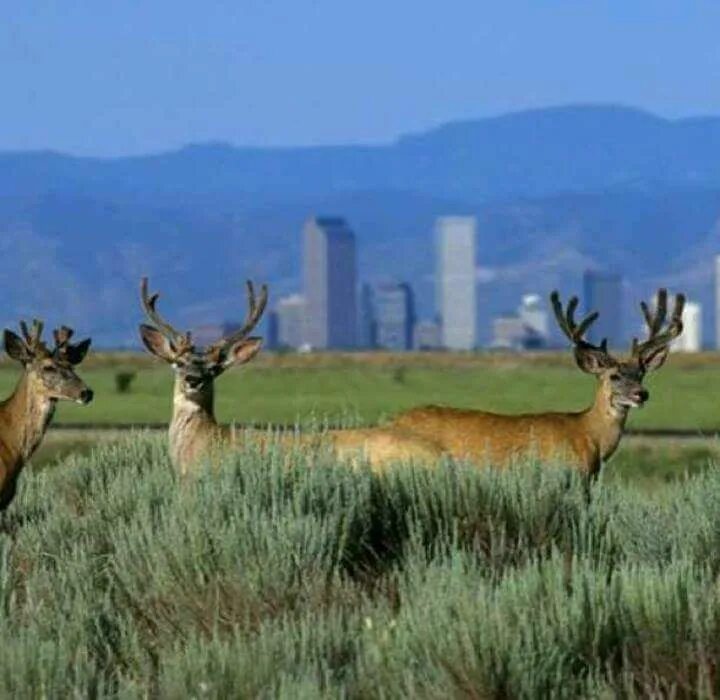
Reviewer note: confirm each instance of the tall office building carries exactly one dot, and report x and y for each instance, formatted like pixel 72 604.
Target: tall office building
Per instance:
pixel 329 272
pixel 271 339
pixel 534 315
pixel 602 292
pixel 690 340
pixel 455 281
pixel 290 312
pixel 367 327
pixel 395 316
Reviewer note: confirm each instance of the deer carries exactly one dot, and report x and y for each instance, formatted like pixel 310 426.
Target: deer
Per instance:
pixel 194 431
pixel 48 377
pixel 585 439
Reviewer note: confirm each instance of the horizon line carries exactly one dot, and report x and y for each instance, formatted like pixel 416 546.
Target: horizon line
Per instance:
pixel 226 144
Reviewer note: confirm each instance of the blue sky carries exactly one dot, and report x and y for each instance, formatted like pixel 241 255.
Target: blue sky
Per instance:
pixel 129 77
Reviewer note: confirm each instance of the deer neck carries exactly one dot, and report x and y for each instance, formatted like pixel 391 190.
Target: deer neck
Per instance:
pixel 25 417
pixel 605 422
pixel 193 424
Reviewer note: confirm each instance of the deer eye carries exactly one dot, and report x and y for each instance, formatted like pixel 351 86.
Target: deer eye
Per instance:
pixel 614 376
pixel 50 369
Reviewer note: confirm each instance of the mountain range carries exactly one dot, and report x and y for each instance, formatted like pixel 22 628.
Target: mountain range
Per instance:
pixel 555 191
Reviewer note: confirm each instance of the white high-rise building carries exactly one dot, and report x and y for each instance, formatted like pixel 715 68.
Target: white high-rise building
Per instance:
pixel 690 339
pixel 455 281
pixel 533 315
pixel 291 321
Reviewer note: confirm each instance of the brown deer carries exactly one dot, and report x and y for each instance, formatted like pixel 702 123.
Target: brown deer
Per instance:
pixel 194 431
pixel 584 439
pixel 48 377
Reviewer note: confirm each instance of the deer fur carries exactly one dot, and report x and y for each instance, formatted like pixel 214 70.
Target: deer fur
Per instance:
pixel 47 377
pixel 194 431
pixel 583 439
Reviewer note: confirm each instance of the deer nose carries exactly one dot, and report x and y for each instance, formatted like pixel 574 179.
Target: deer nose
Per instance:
pixel 86 396
pixel 643 395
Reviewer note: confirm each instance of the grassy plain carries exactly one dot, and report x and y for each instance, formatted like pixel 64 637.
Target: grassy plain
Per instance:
pixel 365 388
pixel 285 389
pixel 321 582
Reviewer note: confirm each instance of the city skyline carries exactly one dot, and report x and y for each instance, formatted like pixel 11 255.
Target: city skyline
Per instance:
pixel 383 315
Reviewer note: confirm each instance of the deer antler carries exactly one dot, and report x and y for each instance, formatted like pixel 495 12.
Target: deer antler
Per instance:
pixel 571 328
pixel 32 336
pixel 181 342
pixel 62 337
pixel 256 307
pixel 655 322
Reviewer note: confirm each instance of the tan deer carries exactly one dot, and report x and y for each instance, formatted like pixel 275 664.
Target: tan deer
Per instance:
pixel 48 377
pixel 583 439
pixel 195 432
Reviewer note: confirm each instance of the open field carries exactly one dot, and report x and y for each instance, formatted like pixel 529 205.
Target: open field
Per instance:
pixel 363 388
pixel 645 462
pixel 287 389
pixel 318 581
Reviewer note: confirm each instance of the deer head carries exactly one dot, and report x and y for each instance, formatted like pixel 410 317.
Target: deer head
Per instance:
pixel 51 373
pixel 195 368
pixel 622 379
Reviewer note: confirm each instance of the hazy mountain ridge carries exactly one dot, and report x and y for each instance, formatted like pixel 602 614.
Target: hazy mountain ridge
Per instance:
pixel 554 191
pixel 531 153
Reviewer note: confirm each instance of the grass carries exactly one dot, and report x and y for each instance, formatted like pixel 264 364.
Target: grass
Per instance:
pixel 286 389
pixel 255 580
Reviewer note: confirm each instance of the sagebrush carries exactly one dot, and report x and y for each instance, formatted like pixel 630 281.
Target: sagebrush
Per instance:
pixel 259 580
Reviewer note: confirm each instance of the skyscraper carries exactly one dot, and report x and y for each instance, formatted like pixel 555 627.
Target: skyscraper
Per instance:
pixel 329 272
pixel 367 328
pixel 602 292
pixel 395 316
pixel 690 340
pixel 291 321
pixel 534 316
pixel 455 281
pixel 272 339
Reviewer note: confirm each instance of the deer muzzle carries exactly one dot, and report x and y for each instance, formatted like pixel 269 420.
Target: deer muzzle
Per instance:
pixel 86 396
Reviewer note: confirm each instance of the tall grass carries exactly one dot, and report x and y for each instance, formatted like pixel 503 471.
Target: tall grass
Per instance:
pixel 259 580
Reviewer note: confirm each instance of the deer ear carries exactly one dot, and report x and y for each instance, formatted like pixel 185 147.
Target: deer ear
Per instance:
pixel 157 343
pixel 76 353
pixel 15 347
pixel 656 359
pixel 593 361
pixel 243 351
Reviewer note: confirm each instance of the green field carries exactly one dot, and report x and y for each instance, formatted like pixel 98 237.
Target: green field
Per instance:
pixel 285 390
pixel 289 389
pixel 255 580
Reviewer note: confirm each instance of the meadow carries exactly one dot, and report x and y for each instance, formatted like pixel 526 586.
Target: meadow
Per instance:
pixel 257 580
pixel 337 389
pixel 366 388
